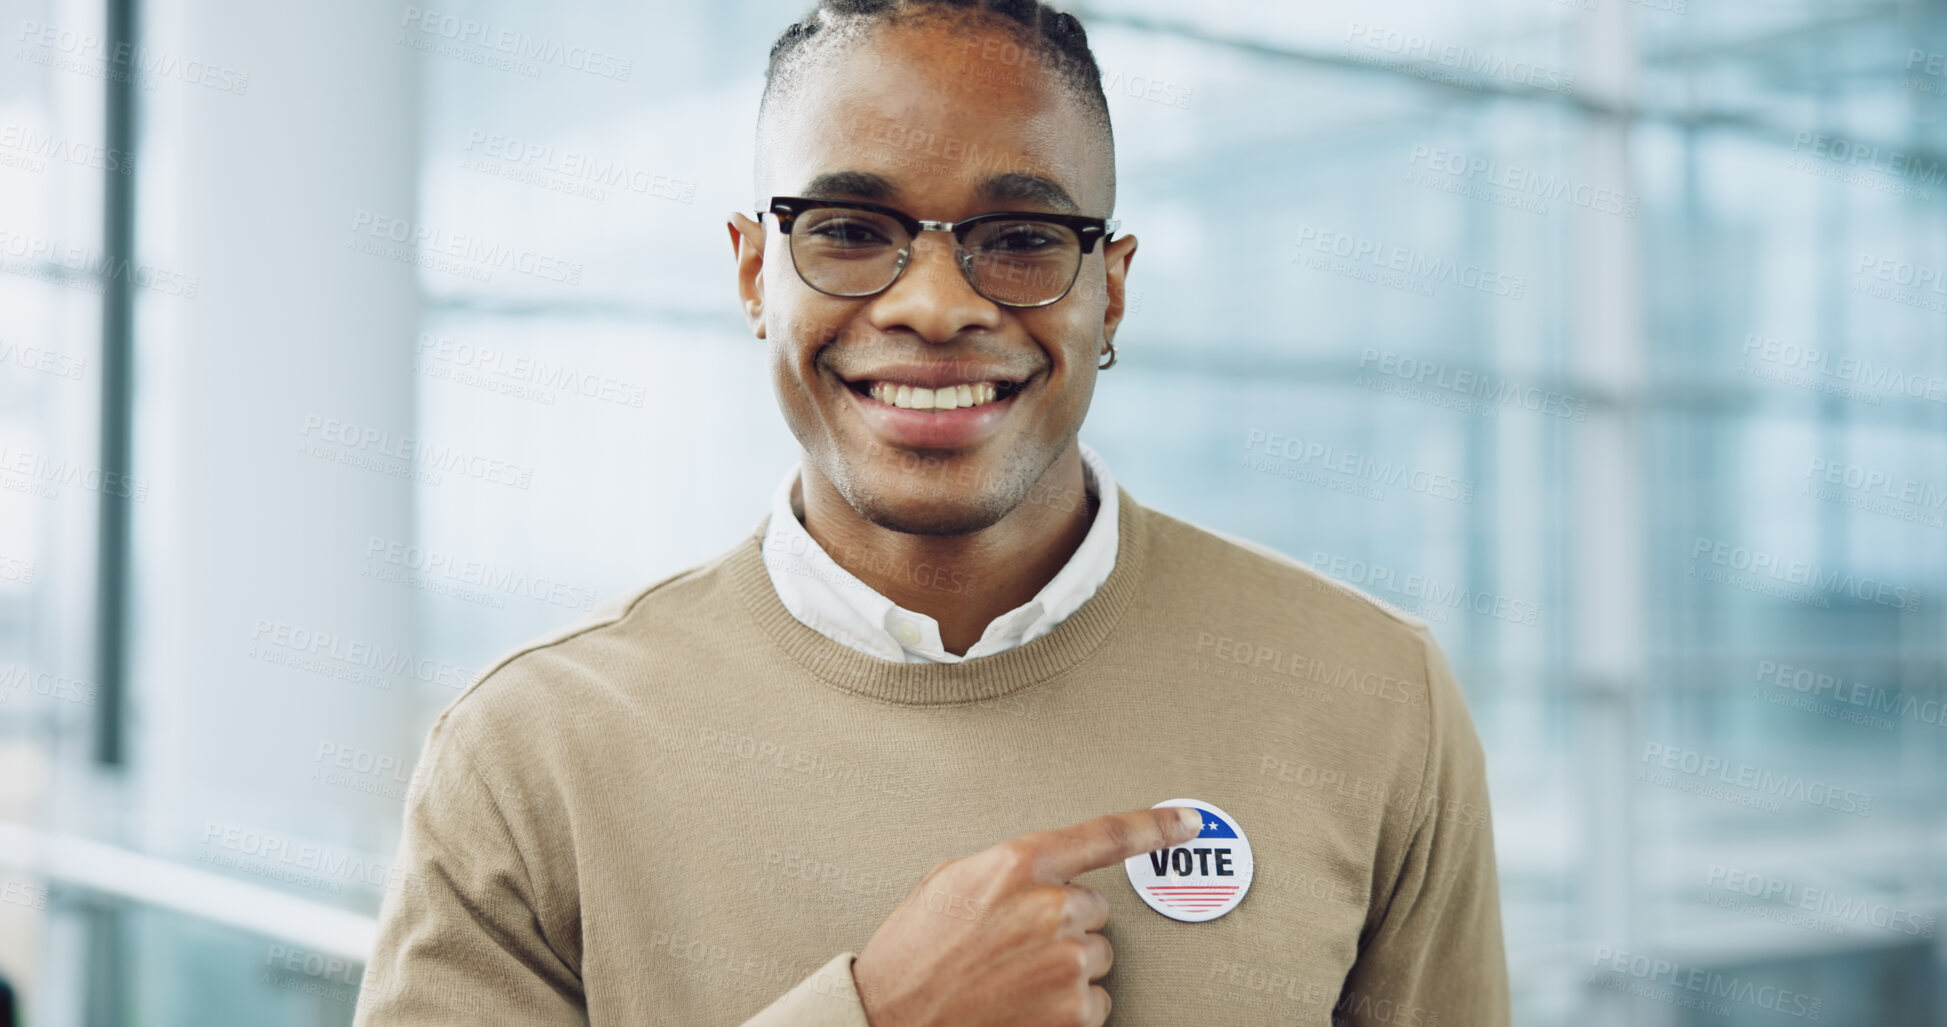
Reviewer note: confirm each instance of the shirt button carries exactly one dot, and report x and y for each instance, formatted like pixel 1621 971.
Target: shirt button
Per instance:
pixel 908 633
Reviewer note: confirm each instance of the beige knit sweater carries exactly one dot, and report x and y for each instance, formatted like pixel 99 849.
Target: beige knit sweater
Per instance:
pixel 690 808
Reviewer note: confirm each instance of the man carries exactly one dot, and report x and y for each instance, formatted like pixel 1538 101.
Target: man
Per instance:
pixel 893 759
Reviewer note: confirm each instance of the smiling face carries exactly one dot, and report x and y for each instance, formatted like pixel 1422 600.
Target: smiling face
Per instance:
pixel 920 117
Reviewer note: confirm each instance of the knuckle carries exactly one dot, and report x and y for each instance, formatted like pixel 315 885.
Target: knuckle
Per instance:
pixel 1015 858
pixel 1061 902
pixel 1105 953
pixel 1085 902
pixel 1046 907
pixel 1119 833
pixel 1071 958
pixel 1075 1007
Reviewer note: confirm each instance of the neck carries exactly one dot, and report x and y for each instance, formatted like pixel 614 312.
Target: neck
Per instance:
pixel 961 581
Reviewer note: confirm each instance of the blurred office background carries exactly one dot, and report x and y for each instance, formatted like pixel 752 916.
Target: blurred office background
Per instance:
pixel 345 346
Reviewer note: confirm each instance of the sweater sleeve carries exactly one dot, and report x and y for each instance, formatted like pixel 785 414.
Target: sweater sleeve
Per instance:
pixel 1436 956
pixel 460 938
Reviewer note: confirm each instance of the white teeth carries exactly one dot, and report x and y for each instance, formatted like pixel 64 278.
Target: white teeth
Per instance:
pixel 946 397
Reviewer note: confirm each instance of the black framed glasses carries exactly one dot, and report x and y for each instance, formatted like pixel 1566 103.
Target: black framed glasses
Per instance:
pixel 852 248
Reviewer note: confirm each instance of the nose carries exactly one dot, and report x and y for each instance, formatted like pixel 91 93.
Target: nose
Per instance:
pixel 932 297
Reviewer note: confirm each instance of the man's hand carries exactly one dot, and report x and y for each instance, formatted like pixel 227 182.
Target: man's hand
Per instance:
pixel 1002 937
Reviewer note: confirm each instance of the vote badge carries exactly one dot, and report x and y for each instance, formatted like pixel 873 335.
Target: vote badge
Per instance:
pixel 1201 879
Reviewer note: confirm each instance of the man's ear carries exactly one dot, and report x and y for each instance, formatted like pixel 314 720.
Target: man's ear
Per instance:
pixel 747 244
pixel 1116 255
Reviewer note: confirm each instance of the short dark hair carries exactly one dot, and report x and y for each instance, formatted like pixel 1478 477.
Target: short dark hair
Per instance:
pixel 1053 37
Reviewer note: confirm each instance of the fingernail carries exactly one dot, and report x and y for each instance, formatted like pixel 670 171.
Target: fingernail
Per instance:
pixel 1193 819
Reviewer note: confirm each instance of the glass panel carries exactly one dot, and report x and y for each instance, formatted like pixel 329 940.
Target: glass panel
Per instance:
pixel 1604 336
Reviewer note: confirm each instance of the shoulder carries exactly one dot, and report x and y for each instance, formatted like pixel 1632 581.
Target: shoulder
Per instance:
pixel 1262 611
pixel 1224 559
pixel 562 676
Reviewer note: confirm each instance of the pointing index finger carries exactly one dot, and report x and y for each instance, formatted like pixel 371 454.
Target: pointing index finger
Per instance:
pixel 1068 852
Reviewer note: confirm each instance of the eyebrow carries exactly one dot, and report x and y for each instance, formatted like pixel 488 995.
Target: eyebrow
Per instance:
pixel 1016 186
pixel 1010 187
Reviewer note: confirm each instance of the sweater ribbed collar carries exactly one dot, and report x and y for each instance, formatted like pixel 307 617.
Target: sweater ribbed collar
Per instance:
pixel 941 684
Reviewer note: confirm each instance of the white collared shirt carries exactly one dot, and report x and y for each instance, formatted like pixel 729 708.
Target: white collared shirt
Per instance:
pixel 833 602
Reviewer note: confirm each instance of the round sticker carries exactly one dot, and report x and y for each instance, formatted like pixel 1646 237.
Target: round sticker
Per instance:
pixel 1202 879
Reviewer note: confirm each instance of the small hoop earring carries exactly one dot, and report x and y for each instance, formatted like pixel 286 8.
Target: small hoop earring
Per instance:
pixel 1104 367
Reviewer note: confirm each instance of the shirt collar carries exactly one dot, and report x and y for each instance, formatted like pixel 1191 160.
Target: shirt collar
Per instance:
pixel 832 601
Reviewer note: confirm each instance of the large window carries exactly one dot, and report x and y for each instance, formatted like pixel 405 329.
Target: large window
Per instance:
pixel 1609 336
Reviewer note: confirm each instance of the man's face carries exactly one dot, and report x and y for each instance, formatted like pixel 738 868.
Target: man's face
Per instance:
pixel 939 123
